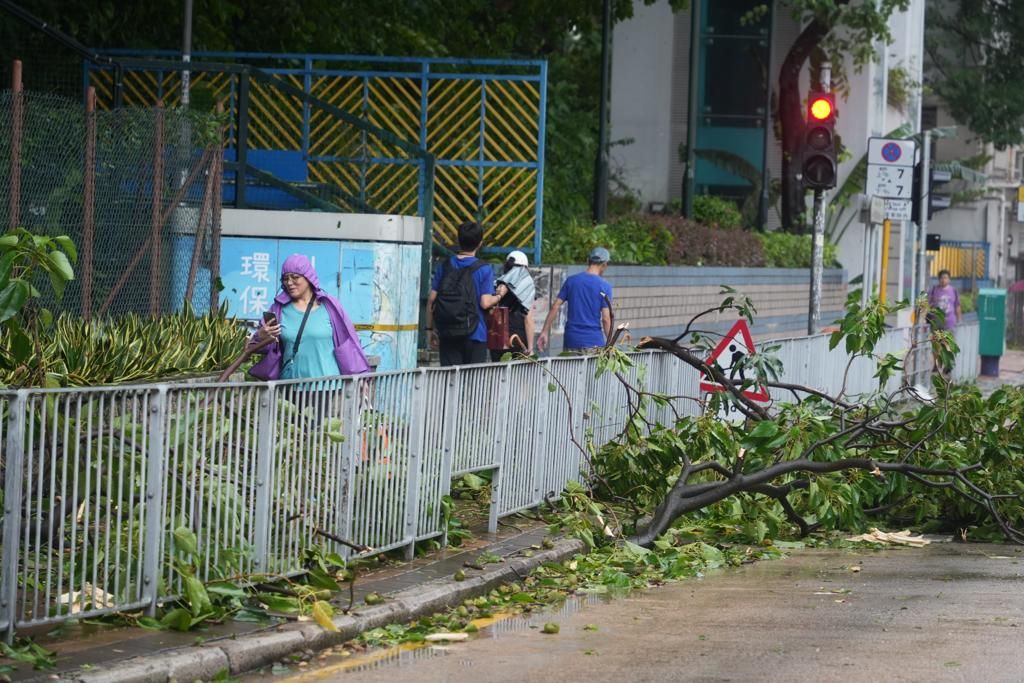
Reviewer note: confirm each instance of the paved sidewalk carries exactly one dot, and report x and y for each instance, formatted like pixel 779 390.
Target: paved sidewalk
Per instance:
pixel 98 652
pixel 1011 371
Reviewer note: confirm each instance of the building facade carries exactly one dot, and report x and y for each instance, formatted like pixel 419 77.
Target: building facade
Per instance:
pixel 708 77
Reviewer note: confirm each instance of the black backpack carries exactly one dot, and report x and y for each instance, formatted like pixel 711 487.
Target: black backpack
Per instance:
pixel 456 308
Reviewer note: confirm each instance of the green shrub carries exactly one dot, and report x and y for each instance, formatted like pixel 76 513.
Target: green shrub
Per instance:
pixel 135 349
pixel 967 303
pixel 716 212
pixel 631 239
pixel 786 250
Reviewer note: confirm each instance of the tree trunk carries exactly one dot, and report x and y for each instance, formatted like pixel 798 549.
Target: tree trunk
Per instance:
pixel 792 118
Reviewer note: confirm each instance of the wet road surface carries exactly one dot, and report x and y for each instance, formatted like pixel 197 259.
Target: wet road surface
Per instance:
pixel 947 612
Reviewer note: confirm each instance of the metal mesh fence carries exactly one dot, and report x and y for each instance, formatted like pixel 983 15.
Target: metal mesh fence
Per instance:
pixel 135 189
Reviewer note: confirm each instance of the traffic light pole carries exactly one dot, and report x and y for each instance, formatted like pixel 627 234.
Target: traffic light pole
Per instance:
pixel 818 242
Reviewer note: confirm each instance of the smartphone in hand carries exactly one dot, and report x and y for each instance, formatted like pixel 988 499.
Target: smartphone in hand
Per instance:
pixel 269 318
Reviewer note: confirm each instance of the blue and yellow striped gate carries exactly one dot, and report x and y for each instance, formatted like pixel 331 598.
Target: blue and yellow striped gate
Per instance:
pixel 483 120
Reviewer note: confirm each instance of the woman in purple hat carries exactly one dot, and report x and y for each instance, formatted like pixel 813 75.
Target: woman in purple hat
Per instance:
pixel 315 336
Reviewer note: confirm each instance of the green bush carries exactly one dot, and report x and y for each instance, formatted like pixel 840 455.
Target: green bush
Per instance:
pixel 786 250
pixel 134 349
pixel 658 240
pixel 967 303
pixel 716 212
pixel 632 239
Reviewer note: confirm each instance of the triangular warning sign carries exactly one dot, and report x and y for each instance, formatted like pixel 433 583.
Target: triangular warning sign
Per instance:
pixel 736 344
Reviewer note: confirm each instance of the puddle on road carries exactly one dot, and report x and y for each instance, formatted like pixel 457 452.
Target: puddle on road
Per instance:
pixel 404 655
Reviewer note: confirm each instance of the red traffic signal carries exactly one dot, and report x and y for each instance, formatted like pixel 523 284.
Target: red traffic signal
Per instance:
pixel 821 108
pixel 818 145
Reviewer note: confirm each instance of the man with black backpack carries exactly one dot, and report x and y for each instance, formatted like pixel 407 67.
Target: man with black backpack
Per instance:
pixel 461 290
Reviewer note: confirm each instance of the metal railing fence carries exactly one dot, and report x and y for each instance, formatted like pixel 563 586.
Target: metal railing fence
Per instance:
pixel 97 481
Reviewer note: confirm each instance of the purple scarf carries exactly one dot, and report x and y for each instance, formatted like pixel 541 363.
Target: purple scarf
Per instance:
pixel 347 351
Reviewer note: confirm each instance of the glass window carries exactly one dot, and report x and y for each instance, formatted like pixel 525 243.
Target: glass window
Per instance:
pixel 725 17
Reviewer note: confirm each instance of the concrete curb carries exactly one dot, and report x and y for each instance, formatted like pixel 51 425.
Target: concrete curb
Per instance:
pixel 253 651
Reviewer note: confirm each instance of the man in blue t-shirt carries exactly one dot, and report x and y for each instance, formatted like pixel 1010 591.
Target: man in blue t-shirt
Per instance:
pixel 459 348
pixel 589 321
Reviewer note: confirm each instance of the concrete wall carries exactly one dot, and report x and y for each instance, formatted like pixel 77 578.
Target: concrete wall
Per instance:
pixel 660 300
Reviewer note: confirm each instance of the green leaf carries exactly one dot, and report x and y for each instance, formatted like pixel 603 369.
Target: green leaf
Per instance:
pixel 13 298
pixel 185 540
pixel 178 619
pixel 227 589
pixel 198 598
pixel 473 481
pixel 150 623
pixel 8 241
pixel 6 265
pixel 68 245
pixel 60 265
pixel 21 344
pixel 280 603
pixel 318 578
pixel 763 431
pixel 636 551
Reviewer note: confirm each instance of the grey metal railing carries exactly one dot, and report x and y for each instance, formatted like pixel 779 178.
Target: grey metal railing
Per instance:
pixel 97 480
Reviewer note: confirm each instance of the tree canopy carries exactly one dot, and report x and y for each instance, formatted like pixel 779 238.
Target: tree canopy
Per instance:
pixel 975 51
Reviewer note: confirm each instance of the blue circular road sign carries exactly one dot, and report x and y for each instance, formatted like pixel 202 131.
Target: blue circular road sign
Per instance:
pixel 891 152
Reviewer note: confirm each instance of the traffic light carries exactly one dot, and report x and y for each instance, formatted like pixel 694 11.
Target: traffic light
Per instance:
pixel 818 146
pixel 937 201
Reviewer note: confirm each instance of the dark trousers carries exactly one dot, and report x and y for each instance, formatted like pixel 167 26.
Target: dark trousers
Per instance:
pixel 462 351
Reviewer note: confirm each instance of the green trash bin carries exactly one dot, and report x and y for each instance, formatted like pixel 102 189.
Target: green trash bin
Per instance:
pixel 992 329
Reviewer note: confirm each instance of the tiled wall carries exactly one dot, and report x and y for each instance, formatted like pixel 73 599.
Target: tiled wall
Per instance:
pixel 658 301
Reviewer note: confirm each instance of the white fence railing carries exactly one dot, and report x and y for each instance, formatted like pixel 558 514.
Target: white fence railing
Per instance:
pixel 96 481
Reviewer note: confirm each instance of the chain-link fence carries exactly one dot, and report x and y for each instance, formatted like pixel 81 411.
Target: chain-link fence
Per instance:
pixel 138 190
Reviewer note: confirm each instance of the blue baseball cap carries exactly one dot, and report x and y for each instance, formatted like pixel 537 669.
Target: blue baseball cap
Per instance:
pixel 599 255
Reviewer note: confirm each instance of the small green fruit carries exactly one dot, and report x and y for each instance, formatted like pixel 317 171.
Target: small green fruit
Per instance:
pixel 460 575
pixel 548 544
pixel 373 599
pixel 550 627
pixel 462 611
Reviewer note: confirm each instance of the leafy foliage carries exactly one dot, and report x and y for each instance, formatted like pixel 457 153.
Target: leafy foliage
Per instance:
pixel 633 239
pixel 716 212
pixel 26 262
pixel 133 349
pixel 819 462
pixel 974 47
pixel 786 250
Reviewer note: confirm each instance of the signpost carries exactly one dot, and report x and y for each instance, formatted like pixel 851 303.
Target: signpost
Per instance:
pixel 733 347
pixel 891 177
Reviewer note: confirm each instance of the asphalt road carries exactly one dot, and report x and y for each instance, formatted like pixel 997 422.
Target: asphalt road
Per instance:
pixel 948 612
